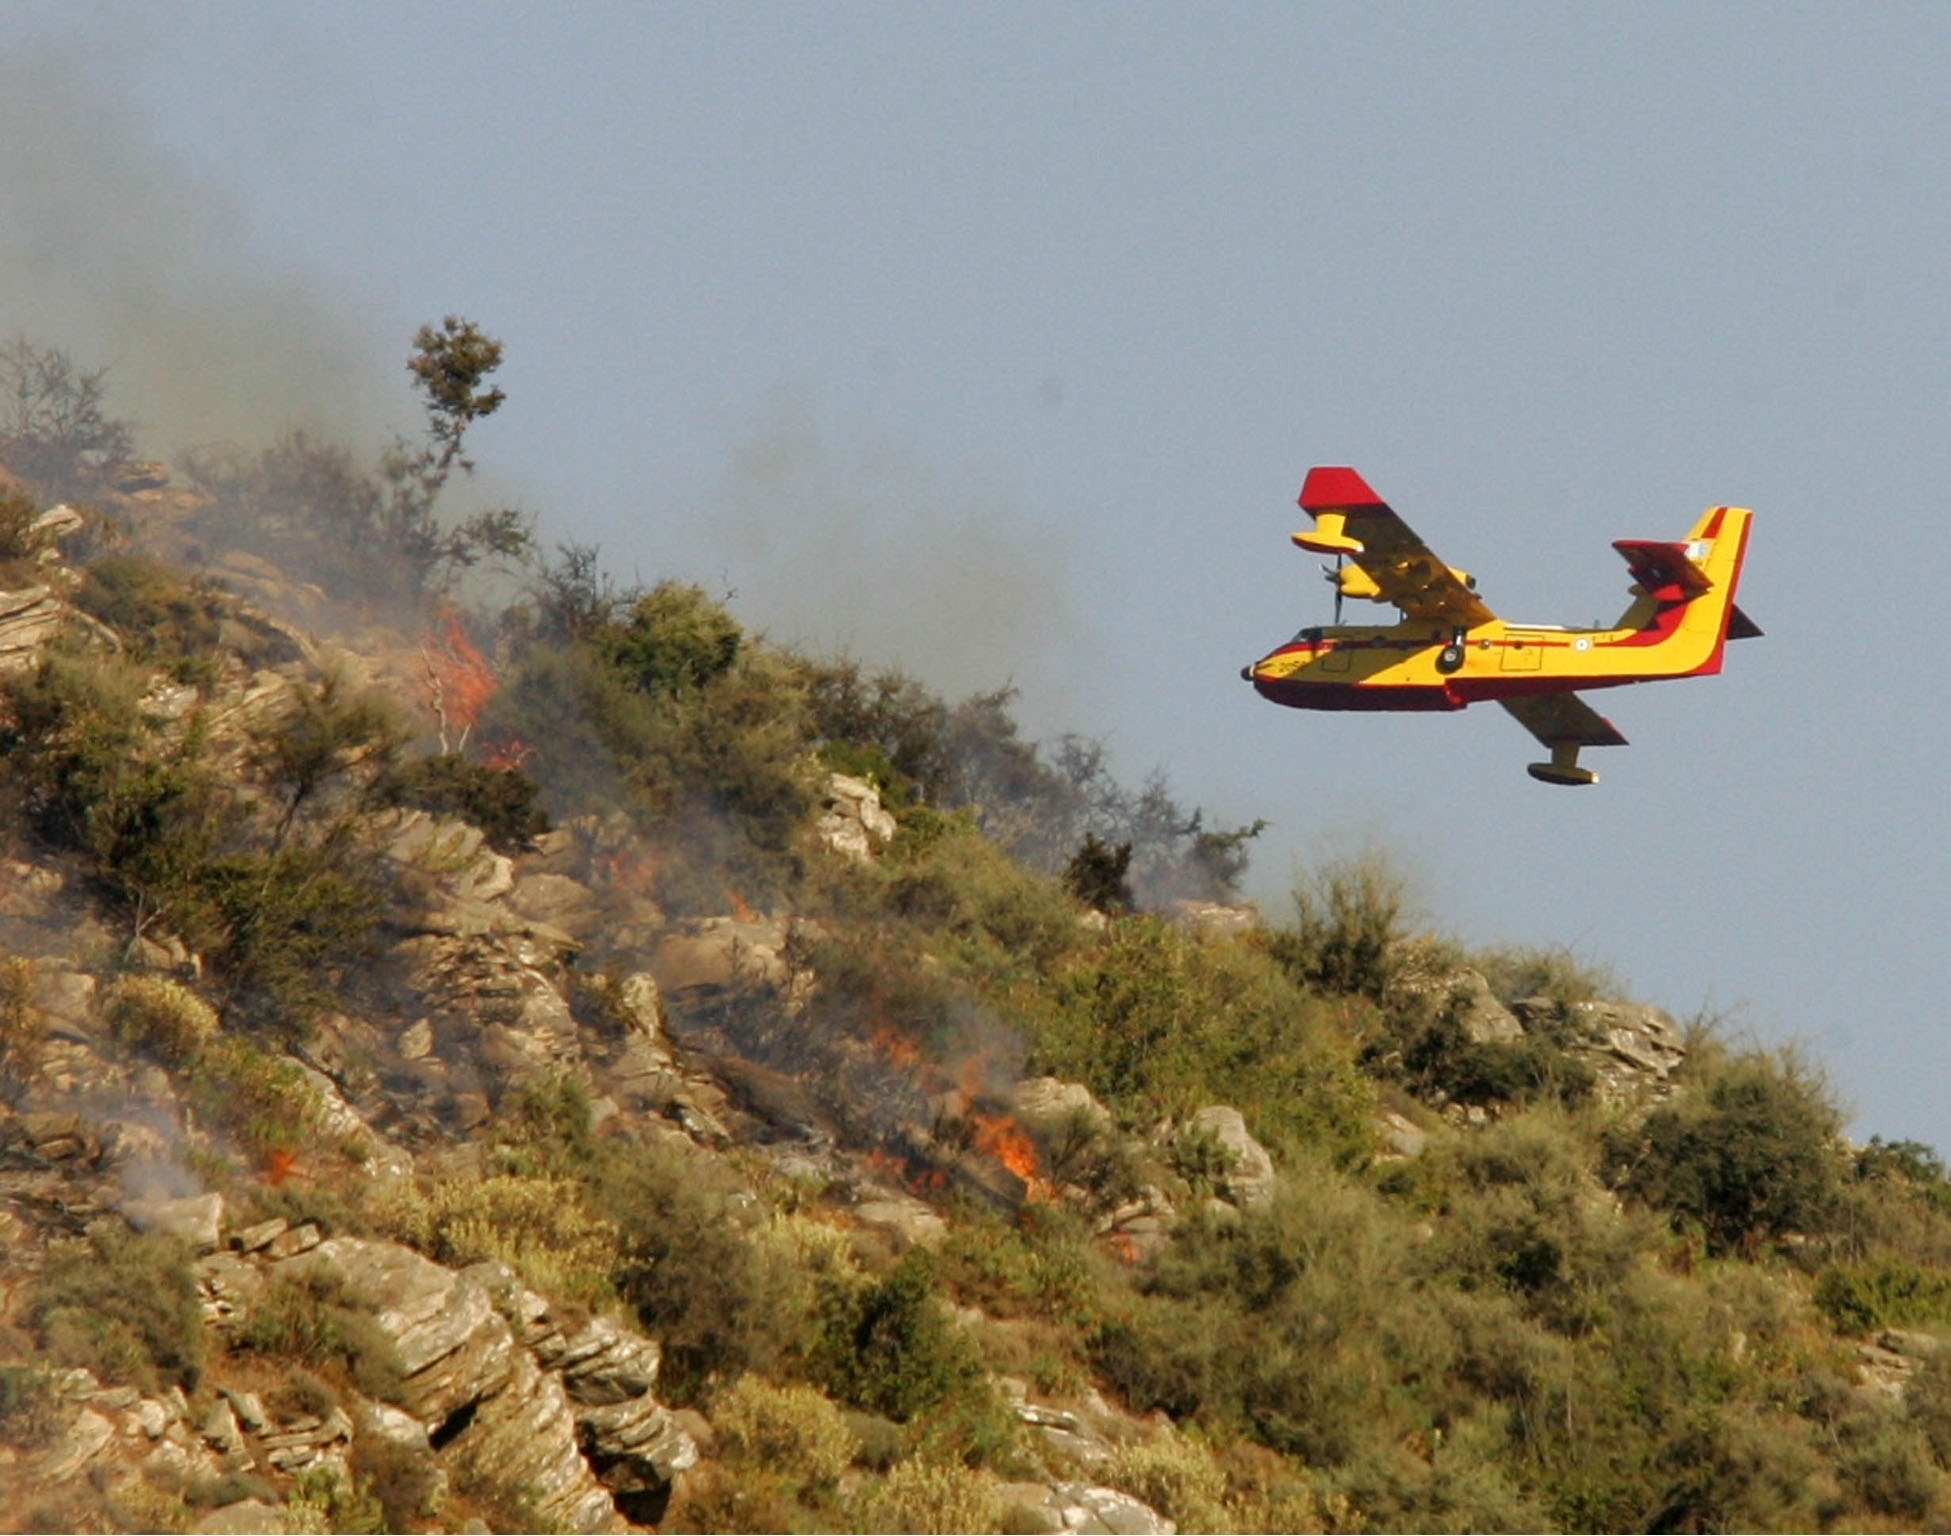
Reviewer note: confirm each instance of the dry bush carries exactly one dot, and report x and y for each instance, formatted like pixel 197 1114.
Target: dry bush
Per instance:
pixel 537 1225
pixel 153 1013
pixel 1177 1477
pixel 792 1431
pixel 927 1496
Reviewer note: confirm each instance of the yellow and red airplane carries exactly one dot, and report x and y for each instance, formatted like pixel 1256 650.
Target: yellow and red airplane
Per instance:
pixel 1449 650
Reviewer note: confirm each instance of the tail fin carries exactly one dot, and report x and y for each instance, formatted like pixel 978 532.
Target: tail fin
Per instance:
pixel 1684 593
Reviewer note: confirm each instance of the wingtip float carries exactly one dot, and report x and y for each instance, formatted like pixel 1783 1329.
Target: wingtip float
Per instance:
pixel 1448 650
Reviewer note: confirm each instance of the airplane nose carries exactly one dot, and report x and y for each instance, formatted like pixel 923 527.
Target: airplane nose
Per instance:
pixel 1246 673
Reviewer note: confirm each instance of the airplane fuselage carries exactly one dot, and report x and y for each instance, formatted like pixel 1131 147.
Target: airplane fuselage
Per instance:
pixel 1422 664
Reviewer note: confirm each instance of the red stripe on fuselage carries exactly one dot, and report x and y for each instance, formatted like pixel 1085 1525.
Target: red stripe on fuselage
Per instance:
pixel 1362 696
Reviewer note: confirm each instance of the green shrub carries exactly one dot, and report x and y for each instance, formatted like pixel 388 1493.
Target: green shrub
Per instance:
pixel 1349 915
pixel 55 429
pixel 372 534
pixel 1884 1293
pixel 167 621
pixel 791 1431
pixel 1747 1153
pixel 1097 875
pixel 1552 971
pixel 266 1101
pixel 407 1483
pixel 721 1296
pixel 1157 1022
pixel 23 1028
pixel 964 887
pixel 327 734
pixel 1441 1062
pixel 891 1348
pixel 17 545
pixel 124 1305
pixel 31 1410
pixel 500 801
pixel 324 1498
pixel 297 1320
pixel 675 640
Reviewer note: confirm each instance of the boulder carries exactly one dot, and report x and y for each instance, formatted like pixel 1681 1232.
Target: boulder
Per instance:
pixel 438 1338
pixel 1633 1048
pixel 1252 1179
pixel 1215 920
pixel 852 820
pixel 555 899
pixel 1400 1136
pixel 29 620
pixel 197 1220
pixel 719 954
pixel 1462 996
pixel 1086 1509
pixel 521 1447
pixel 1051 1109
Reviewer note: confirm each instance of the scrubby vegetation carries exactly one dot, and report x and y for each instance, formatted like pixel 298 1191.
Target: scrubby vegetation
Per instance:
pixel 1497 1276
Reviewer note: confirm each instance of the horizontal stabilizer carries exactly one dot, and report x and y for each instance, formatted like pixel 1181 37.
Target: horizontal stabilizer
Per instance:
pixel 1741 627
pixel 1663 570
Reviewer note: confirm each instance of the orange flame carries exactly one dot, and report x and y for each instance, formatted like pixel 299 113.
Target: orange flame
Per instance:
pixel 280 1165
pixel 459 680
pixel 1003 1139
pixel 632 871
pixel 740 909
pixel 510 755
pixel 895 1046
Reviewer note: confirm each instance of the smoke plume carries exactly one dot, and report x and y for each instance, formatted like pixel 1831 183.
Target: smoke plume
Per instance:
pixel 854 546
pixel 113 253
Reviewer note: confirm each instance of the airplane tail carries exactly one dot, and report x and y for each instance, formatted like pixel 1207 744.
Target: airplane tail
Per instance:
pixel 1684 593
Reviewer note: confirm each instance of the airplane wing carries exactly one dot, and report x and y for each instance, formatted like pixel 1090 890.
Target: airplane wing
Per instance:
pixel 1350 519
pixel 1563 719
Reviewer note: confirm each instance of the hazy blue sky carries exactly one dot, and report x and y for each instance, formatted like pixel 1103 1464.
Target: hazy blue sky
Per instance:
pixel 997 340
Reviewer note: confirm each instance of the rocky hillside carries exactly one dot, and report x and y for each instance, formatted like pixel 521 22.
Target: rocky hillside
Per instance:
pixel 579 1067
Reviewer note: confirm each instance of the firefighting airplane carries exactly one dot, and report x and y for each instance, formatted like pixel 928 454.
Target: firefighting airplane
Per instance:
pixel 1449 650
